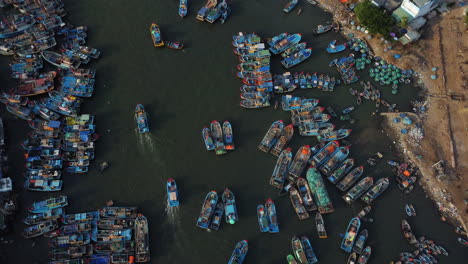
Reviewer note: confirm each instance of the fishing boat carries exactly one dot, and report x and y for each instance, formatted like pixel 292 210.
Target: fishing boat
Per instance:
pixel 352 258
pixel 217 216
pixel 291 259
pixel 71 219
pixel 324 153
pixel 262 218
pixel 286 43
pixel 359 189
pixel 320 29
pixel 364 257
pixel 255 103
pixel 298 250
pixel 217 133
pixel 364 212
pixel 34 86
pixel 375 191
pixel 60 60
pixel 271 136
pixel 54 214
pixel 273 225
pixel 281 169
pixel 77 169
pixel 296 58
pixel 297 203
pixel 40 229
pixel 203 12
pixel 141 119
pixel 207 138
pixel 333 48
pixel 335 159
pixel 299 163
pixel 43 185
pixel 48 204
pixel 359 245
pixel 228 136
pixel 319 191
pixel 225 14
pixel 462 241
pixel 290 6
pixel 239 253
pixel 172 193
pixel 306 194
pixel 142 253
pixel 294 49
pixel 308 250
pixel 283 140
pixel 177 45
pixel 183 8
pixel 320 224
pixel 119 212
pixel 407 232
pixel 71 252
pixel 156 35
pixel 350 178
pixel 350 235
pixel 114 247
pixel 20 111
pixel 207 210
pixel 116 223
pixel 277 38
pixel 70 240
pixel 230 208
pixel 341 171
pixel 114 235
pixel 72 229
pixel 409 209
pixel 334 135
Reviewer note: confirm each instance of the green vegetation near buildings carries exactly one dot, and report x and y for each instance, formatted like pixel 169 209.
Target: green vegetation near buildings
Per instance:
pixel 374 19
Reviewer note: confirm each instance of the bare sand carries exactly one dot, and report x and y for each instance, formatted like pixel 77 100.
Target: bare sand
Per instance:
pixel 445 123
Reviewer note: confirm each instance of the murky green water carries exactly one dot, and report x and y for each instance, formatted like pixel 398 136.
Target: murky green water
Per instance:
pixel 185 90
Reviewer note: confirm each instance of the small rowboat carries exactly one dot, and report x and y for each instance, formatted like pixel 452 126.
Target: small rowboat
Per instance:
pixel 174 45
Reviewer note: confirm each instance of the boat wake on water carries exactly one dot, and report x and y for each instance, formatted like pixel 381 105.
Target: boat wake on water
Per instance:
pixel 146 141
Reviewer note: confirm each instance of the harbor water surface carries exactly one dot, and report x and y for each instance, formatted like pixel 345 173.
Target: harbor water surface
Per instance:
pixel 184 91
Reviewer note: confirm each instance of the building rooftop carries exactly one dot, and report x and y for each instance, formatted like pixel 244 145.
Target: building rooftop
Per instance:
pixel 400 13
pixel 421 3
pixel 417 23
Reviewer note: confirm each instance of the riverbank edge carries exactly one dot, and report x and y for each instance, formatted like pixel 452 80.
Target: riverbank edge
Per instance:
pixel 428 180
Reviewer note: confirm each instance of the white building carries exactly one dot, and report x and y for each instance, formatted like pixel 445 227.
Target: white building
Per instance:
pixel 417 8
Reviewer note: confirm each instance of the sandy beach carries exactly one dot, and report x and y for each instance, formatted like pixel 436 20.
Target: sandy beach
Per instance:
pixel 445 123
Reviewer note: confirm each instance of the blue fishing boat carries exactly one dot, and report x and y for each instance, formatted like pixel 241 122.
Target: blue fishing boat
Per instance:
pixel 43 185
pixel 306 194
pixel 40 229
pixel 302 80
pixel 350 178
pixel 217 133
pixel 228 136
pixel 335 159
pixel 341 171
pixel 141 119
pixel 320 29
pixel 296 58
pixel 225 15
pixel 255 103
pixel 308 80
pixel 60 60
pixel 271 136
pixel 71 219
pixel 359 189
pixel 115 235
pixel 52 214
pixel 156 35
pixel 290 6
pixel 217 216
pixel 216 12
pixel 77 169
pixel 348 110
pixel 20 111
pixel 286 43
pixel 230 208
pixel 333 48
pixel 208 139
pixel 172 193
pixel 239 253
pixel 48 204
pixel 324 153
pixel 71 240
pixel 296 48
pixel 364 257
pixel 207 210
pixel 298 250
pixel 273 225
pixel 350 234
pixel 409 209
pixel 375 191
pixel 334 135
pixel 277 39
pixel 15 25
pixel 359 245
pixel 281 168
pixel 183 7
pixel 308 250
pixel 262 218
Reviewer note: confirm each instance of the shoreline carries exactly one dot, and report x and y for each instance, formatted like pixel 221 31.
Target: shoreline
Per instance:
pixel 448 196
